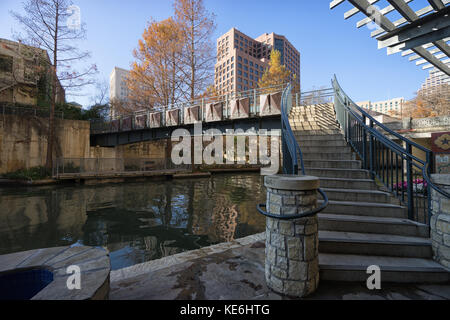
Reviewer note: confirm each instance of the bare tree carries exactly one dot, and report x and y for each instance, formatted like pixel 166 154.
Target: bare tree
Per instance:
pixel 198 53
pixel 48 25
pixel 101 96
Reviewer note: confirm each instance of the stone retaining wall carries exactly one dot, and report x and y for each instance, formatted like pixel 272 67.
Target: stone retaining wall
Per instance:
pixel 440 220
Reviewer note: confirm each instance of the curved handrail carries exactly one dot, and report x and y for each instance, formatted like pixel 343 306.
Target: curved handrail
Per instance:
pixel 295 153
pixel 368 116
pixel 349 104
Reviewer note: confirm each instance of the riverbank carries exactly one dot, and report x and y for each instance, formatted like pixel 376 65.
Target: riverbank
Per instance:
pixel 106 178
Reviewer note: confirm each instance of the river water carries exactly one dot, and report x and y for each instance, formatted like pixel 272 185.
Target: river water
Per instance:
pixel 136 222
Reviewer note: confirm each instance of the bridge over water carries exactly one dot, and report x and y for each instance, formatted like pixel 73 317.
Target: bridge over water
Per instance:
pixel 249 110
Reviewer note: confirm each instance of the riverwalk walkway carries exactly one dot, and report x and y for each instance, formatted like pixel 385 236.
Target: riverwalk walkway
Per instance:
pixel 235 271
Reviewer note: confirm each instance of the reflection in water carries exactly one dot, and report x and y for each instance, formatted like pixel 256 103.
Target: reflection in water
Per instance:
pixel 136 222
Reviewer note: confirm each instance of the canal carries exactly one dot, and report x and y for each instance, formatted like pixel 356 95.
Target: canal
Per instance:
pixel 136 222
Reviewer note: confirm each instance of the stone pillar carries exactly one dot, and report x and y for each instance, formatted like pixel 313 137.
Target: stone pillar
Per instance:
pixel 440 220
pixel 292 246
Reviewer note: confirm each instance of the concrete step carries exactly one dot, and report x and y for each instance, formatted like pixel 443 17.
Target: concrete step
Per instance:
pixel 321 143
pixel 371 209
pixel 344 149
pixel 358 195
pixel 319 132
pixel 340 164
pixel 306 137
pixel 335 183
pixel 379 225
pixel 338 173
pixel 353 268
pixel 326 154
pixel 374 244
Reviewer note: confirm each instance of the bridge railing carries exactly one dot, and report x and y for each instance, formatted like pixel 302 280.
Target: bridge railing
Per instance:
pixel 394 165
pixel 236 105
pixel 73 167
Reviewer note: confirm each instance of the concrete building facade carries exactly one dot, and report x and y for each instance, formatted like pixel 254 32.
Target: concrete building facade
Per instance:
pixel 25 74
pixel 241 60
pixel 385 106
pixel 118 89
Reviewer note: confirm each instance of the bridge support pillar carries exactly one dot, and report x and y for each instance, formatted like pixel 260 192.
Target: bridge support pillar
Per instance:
pixel 440 220
pixel 292 246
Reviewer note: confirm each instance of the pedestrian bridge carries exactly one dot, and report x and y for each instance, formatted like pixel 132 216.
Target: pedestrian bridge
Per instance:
pixel 255 109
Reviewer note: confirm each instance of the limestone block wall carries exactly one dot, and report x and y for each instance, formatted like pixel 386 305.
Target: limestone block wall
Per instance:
pixel 440 220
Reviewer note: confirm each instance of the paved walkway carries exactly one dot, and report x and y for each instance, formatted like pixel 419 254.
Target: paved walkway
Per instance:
pixel 235 271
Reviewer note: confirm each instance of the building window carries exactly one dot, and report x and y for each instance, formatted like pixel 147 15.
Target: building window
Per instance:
pixel 239 65
pixel 245 61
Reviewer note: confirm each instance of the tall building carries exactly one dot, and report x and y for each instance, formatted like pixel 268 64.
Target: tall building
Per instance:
pixel 21 78
pixel 241 60
pixel 436 82
pixel 118 89
pixel 384 106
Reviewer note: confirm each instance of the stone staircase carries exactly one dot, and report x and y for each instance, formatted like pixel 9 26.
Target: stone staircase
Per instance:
pixel 362 224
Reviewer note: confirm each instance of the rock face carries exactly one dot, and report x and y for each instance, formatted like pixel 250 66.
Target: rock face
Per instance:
pixel 292 246
pixel 92 263
pixel 440 220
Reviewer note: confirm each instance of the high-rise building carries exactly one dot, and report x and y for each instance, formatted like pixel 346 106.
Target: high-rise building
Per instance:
pixel 436 82
pixel 384 106
pixel 241 60
pixel 118 89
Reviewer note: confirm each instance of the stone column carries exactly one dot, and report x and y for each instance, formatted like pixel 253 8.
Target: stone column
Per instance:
pixel 440 220
pixel 292 246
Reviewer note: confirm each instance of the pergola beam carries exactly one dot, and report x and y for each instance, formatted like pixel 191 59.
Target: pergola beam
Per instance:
pixel 401 21
pixel 423 30
pixel 436 4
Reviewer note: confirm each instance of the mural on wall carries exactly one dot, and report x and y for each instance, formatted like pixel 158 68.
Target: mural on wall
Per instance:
pixel 441 149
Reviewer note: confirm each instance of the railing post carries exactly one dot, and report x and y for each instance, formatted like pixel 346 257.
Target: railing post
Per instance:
pixel 371 153
pixel 430 169
pixel 254 101
pixel 364 143
pixel 409 179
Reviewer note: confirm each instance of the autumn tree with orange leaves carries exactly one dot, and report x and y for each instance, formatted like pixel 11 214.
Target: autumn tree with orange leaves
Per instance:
pixel 276 74
pixel 156 78
pixel 174 60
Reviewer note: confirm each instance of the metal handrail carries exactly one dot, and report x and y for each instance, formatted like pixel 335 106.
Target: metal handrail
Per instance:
pixel 292 157
pixel 362 137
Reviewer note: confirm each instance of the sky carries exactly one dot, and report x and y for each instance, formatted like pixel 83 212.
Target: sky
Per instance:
pixel 328 44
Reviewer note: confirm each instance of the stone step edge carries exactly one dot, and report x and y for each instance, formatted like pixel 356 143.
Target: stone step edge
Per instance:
pixel 368 191
pixel 364 204
pixel 419 241
pixel 337 169
pixel 370 219
pixel 362 267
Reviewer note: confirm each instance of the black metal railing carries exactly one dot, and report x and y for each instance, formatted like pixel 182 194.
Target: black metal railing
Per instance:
pixel 292 158
pixel 30 111
pixel 396 165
